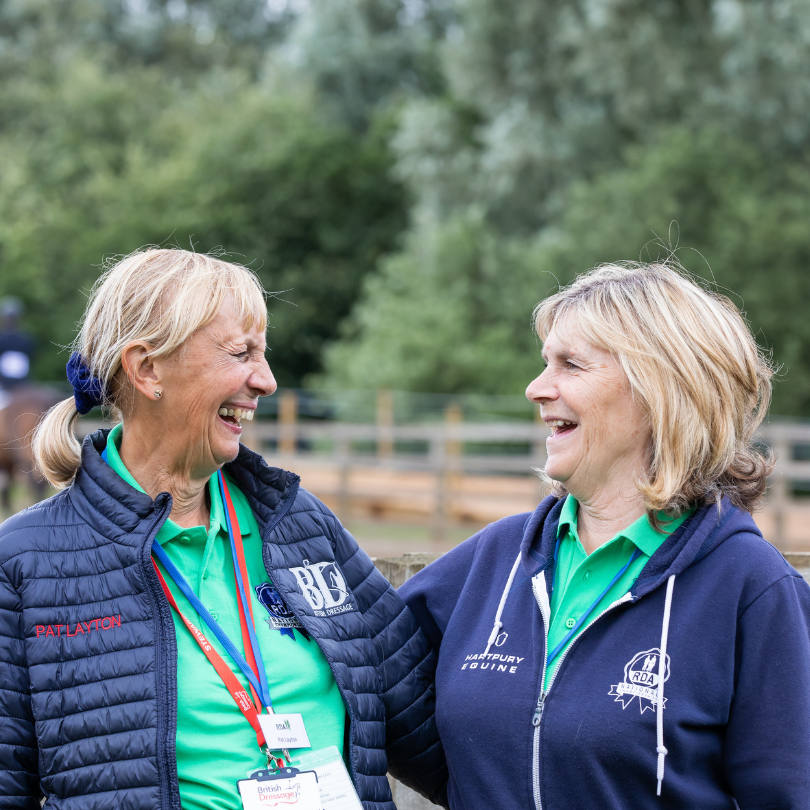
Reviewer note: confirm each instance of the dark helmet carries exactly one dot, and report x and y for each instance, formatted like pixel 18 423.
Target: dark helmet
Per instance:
pixel 11 307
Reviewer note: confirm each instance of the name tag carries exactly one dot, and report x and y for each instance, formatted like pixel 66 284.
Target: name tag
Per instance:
pixel 299 791
pixel 284 730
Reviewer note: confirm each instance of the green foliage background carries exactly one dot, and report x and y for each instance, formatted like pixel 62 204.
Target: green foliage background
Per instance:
pixel 410 176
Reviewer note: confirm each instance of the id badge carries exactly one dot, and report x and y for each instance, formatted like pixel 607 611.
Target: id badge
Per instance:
pixel 287 788
pixel 282 731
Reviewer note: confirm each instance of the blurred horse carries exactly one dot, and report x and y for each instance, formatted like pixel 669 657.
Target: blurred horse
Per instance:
pixel 21 409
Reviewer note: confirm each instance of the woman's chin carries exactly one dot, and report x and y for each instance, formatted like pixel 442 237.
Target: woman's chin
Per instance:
pixel 556 471
pixel 226 451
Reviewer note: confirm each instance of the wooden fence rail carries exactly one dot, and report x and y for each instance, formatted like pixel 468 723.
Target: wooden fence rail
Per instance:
pixel 455 472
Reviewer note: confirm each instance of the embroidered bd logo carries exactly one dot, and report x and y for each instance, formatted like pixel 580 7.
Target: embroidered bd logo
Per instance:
pixel 324 588
pixel 641 680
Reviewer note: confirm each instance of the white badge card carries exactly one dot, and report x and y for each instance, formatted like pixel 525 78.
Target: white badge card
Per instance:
pixel 284 731
pixel 334 783
pixel 298 791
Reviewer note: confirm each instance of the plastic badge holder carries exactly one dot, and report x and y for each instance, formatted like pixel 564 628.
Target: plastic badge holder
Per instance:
pixel 334 783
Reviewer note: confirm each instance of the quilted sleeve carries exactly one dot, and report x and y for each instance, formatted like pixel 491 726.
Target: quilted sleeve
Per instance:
pixel 407 669
pixel 19 780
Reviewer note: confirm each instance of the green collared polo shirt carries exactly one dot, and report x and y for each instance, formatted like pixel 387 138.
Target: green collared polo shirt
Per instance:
pixel 580 578
pixel 215 745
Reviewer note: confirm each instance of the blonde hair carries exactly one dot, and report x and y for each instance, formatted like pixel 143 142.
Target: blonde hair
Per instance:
pixel 159 296
pixel 693 363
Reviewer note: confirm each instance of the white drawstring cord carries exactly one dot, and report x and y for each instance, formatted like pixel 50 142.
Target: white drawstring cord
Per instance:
pixel 662 669
pixel 498 625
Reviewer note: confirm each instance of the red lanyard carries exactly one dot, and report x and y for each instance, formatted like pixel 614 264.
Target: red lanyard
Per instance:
pixel 237 692
pixel 250 708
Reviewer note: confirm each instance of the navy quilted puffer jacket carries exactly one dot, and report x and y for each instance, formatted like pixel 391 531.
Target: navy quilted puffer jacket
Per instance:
pixel 88 719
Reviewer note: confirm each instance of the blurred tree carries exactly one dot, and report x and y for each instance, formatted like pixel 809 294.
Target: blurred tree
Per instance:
pixel 364 54
pixel 531 139
pixel 453 313
pixel 572 134
pixel 545 93
pixel 449 315
pixel 104 162
pixel 183 37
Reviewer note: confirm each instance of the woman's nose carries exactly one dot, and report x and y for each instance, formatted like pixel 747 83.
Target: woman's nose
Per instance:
pixel 262 380
pixel 540 389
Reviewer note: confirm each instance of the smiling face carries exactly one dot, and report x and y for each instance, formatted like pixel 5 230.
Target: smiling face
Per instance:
pixel 600 436
pixel 210 386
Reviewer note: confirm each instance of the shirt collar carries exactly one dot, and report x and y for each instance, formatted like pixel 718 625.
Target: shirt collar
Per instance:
pixel 568 516
pixel 240 505
pixel 640 533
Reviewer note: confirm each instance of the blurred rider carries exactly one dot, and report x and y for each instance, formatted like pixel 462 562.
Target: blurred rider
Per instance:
pixel 16 346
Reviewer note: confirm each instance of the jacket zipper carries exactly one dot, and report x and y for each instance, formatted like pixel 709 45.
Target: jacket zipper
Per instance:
pixel 344 693
pixel 544 690
pixel 154 587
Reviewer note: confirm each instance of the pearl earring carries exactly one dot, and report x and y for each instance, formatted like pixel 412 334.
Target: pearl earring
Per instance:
pixel 158 394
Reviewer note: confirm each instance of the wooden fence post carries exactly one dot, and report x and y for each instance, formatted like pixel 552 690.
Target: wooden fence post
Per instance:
pixel 287 417
pixel 445 451
pixel 385 421
pixel 343 459
pixel 438 461
pixel 780 491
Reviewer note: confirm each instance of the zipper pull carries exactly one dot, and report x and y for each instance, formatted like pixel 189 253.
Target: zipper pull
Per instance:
pixel 538 712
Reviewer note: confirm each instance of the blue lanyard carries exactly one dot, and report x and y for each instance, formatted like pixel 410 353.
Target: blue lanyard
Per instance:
pixel 260 685
pixel 264 692
pixel 584 617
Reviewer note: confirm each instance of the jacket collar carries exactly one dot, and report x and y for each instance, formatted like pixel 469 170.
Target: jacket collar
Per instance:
pixel 122 513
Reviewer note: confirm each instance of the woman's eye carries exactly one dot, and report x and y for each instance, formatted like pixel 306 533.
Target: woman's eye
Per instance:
pixel 569 364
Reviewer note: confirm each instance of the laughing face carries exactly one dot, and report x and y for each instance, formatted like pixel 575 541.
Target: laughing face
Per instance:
pixel 600 436
pixel 211 387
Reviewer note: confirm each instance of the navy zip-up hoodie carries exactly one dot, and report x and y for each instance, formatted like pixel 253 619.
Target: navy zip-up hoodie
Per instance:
pixel 88 657
pixel 736 708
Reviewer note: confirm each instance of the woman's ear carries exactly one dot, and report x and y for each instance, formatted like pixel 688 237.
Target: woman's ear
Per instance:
pixel 141 368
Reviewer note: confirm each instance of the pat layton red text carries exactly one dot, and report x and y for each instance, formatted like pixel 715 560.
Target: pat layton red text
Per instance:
pixel 80 628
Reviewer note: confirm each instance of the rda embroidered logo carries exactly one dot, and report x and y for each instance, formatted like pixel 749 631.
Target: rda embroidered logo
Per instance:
pixel 324 587
pixel 641 681
pixel 281 617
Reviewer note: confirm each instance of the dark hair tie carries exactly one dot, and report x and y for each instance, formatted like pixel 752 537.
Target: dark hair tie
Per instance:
pixel 88 391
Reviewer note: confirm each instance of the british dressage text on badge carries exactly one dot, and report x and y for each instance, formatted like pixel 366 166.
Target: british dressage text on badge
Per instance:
pixel 299 791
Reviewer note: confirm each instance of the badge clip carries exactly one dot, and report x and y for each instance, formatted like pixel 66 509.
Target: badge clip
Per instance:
pixel 280 773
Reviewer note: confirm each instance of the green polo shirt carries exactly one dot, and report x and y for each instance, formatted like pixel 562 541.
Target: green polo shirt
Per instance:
pixel 580 578
pixel 215 744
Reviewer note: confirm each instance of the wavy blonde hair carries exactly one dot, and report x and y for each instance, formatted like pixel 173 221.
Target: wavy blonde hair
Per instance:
pixel 159 296
pixel 693 363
